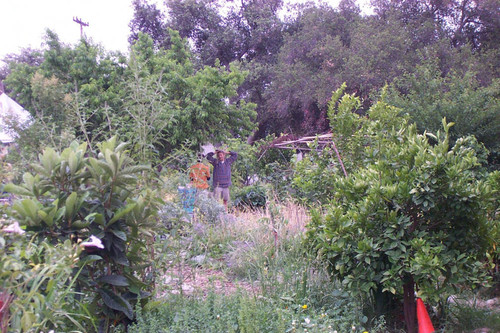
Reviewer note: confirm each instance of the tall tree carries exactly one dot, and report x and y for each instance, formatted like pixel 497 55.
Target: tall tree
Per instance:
pixel 150 20
pixel 309 67
pixel 428 95
pixel 188 104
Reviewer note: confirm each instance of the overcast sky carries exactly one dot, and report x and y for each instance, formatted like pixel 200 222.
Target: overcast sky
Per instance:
pixel 23 22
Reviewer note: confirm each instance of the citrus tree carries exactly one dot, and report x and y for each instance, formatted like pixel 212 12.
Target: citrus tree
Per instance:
pixel 412 217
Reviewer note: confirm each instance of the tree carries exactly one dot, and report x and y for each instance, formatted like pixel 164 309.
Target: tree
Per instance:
pixel 428 96
pixel 249 33
pixel 309 64
pixel 195 106
pixel 149 20
pixel 471 23
pixel 414 215
pixel 28 56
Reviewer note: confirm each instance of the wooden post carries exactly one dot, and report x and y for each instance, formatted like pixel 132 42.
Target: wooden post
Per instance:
pixel 82 24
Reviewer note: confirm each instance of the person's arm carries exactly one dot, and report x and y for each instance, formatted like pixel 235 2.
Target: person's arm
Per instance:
pixel 232 156
pixel 210 157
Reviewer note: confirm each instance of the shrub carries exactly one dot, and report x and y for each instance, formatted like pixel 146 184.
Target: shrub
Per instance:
pixel 415 214
pixel 37 286
pixel 75 196
pixel 252 196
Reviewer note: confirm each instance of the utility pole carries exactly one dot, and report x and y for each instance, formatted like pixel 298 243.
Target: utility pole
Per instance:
pixel 82 24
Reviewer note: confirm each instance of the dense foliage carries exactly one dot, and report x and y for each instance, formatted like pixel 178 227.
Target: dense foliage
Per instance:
pixel 156 100
pixel 402 198
pixel 297 56
pixel 413 215
pixel 428 97
pixel 76 197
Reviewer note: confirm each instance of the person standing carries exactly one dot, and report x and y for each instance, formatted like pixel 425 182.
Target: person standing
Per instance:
pixel 222 172
pixel 199 174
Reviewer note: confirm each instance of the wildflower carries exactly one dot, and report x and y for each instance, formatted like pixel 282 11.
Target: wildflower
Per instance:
pixel 14 228
pixel 304 306
pixel 353 328
pixel 94 242
pixel 218 316
pixel 307 320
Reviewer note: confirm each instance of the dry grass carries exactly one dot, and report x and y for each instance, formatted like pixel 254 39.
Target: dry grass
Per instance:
pixel 274 223
pixel 248 238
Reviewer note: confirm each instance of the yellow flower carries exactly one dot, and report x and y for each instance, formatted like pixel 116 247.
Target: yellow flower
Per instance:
pixel 304 306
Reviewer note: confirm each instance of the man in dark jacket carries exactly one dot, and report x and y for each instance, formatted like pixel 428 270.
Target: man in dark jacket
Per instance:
pixel 222 173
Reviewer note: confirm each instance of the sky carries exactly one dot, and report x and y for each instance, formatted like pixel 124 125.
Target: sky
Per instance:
pixel 23 22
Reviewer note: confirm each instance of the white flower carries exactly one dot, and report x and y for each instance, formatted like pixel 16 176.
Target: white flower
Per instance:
pixel 307 320
pixel 14 228
pixel 94 242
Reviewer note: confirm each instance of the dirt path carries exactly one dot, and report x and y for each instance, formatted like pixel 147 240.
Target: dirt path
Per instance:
pixel 200 280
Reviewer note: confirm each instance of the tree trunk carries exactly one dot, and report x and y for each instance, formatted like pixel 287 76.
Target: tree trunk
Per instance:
pixel 409 305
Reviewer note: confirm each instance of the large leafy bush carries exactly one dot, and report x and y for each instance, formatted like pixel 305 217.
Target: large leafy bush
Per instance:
pixel 414 215
pixel 75 196
pixel 37 286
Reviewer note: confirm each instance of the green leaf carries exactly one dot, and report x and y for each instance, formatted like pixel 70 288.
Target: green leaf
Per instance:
pixel 105 166
pixel 122 212
pixel 50 216
pixel 116 302
pixel 27 321
pixel 28 209
pixel 79 224
pixel 70 205
pixel 15 189
pixel 91 258
pixel 96 217
pixel 120 234
pixel 115 280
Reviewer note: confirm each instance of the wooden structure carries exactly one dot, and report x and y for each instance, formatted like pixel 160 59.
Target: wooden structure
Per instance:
pixel 304 144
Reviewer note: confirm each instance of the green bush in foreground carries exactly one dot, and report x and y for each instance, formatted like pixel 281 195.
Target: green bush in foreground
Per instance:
pixel 244 313
pixel 74 197
pixel 37 286
pixel 415 215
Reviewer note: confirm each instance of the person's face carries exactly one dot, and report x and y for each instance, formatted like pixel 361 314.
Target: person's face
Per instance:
pixel 221 155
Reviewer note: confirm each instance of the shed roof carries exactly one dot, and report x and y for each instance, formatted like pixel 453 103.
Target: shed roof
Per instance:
pixel 11 112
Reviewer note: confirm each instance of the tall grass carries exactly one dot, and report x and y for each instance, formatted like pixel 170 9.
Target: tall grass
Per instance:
pixel 271 283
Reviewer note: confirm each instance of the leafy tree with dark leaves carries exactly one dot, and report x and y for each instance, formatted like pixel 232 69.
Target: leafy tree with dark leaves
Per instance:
pixel 150 20
pixel 428 96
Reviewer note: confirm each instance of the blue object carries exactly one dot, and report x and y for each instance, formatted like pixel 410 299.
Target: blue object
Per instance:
pixel 187 195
